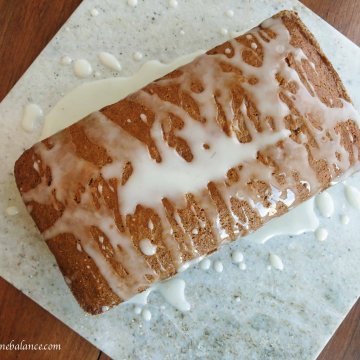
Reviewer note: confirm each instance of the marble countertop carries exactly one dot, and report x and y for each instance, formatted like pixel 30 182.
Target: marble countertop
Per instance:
pixel 255 313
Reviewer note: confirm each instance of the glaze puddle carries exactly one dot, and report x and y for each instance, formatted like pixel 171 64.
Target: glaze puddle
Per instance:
pixel 94 95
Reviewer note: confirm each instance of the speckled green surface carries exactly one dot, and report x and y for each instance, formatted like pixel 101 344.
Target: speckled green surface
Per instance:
pixel 280 315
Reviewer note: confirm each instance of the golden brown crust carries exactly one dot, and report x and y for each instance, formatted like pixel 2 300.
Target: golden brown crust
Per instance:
pixel 303 38
pixel 83 276
pixel 88 287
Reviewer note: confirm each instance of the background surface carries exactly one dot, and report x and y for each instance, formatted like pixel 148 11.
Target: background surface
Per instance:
pixel 26 26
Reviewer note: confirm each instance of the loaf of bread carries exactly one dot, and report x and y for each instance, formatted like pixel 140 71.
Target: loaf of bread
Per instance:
pixel 202 156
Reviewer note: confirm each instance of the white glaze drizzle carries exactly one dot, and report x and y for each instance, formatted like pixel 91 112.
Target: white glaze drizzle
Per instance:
pixel 185 265
pixel 344 219
pixel 94 95
pixel 224 31
pixel 82 68
pixel 173 3
pixel 352 195
pixel 195 175
pixel 205 264
pixel 110 61
pixel 172 290
pixel 94 12
pixel 132 3
pixel 32 114
pixel 137 55
pixel 242 266
pixel 276 262
pixel 65 60
pixel 147 248
pixel 12 211
pixel 218 266
pixel 325 204
pixel 237 257
pixel 146 314
pixel 229 13
pixel 321 234
pixel 295 222
pixel 105 308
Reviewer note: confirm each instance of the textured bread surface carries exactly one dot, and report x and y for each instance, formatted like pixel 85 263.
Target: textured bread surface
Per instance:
pixel 78 185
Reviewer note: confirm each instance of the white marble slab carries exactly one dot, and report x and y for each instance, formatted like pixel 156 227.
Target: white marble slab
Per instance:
pixel 280 315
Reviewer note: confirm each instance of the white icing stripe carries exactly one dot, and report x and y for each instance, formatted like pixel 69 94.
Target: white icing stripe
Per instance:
pixel 105 270
pixel 174 176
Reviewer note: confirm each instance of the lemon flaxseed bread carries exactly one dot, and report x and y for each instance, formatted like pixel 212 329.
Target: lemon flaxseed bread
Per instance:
pixel 202 156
